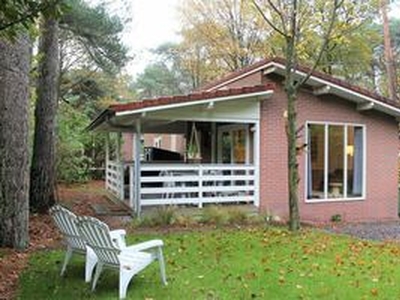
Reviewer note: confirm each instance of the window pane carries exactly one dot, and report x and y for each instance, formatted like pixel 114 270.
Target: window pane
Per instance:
pixel 316 158
pixel 354 152
pixel 335 161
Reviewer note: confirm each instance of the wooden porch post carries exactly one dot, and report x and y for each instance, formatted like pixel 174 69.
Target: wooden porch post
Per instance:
pixel 257 177
pixel 132 176
pixel 137 167
pixel 107 158
pixel 121 166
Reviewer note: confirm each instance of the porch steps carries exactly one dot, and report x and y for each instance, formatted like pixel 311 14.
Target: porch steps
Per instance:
pixel 111 207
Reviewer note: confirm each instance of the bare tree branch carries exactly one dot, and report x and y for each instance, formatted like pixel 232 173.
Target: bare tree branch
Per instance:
pixel 266 19
pixel 280 14
pixel 325 41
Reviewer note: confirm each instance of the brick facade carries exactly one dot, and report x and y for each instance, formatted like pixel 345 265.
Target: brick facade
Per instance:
pixel 381 160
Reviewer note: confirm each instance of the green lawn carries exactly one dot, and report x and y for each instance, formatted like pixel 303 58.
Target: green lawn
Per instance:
pixel 237 264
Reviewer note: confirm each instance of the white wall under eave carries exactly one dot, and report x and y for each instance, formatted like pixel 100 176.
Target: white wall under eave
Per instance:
pixel 244 110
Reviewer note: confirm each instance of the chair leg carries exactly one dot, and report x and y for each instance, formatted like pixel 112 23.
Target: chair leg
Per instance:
pixel 91 261
pixel 160 258
pixel 124 278
pixel 68 255
pixel 97 273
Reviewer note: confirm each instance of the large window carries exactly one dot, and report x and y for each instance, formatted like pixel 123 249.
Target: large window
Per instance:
pixel 335 161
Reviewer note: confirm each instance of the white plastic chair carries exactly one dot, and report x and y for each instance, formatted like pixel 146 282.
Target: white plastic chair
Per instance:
pixel 66 222
pixel 128 260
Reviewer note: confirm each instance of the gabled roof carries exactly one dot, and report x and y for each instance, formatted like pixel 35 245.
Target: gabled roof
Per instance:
pixel 324 83
pixel 199 97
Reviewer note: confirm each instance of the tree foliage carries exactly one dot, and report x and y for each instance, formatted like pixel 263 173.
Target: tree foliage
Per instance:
pixel 92 55
pixel 90 38
pixel 72 160
pixel 167 75
pixel 86 94
pixel 225 35
pixel 18 15
pixel 231 29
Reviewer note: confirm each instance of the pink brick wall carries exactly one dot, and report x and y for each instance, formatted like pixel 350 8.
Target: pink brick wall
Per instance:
pixel 381 168
pixel 382 152
pixel 168 141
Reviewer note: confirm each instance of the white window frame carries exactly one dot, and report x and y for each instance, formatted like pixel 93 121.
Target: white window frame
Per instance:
pixel 230 129
pixel 326 146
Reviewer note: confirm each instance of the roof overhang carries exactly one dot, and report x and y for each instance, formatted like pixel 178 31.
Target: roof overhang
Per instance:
pixel 171 117
pixel 321 87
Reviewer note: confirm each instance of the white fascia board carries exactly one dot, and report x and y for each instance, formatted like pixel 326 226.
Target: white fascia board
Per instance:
pixel 267 93
pixel 341 91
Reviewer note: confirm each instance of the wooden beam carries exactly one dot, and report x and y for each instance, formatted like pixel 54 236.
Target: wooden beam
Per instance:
pixel 365 106
pixel 138 148
pixel 323 90
pixel 269 70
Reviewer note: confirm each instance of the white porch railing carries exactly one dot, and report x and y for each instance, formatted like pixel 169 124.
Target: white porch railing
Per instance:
pixel 163 184
pixel 195 184
pixel 115 178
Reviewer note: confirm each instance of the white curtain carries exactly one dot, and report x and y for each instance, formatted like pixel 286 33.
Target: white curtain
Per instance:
pixel 309 165
pixel 358 161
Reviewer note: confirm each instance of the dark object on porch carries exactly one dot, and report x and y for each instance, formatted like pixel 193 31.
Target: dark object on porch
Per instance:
pixel 158 154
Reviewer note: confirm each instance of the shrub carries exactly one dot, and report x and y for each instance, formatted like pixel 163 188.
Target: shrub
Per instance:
pixel 237 216
pixel 214 215
pixel 336 218
pixel 162 216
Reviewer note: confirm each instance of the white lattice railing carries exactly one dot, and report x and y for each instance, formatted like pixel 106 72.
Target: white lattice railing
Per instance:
pixel 163 184
pixel 115 178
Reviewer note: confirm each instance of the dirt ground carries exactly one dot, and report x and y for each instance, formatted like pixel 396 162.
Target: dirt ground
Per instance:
pixel 43 233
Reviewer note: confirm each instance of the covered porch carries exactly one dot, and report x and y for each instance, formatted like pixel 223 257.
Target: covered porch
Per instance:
pixel 220 165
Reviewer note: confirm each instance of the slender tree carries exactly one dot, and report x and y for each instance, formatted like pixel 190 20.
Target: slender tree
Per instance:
pixel 291 19
pixel 42 185
pixel 388 51
pixel 14 175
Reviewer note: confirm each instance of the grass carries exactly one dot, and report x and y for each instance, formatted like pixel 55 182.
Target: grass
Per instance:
pixel 237 264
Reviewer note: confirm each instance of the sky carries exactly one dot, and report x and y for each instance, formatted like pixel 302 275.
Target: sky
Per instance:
pixel 154 22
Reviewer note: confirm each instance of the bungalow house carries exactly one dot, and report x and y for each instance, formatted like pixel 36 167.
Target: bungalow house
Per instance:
pixel 237 127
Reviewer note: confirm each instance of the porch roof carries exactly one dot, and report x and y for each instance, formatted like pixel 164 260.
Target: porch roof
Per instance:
pixel 155 114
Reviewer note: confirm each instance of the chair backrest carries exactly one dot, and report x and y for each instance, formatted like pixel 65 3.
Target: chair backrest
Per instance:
pixel 97 237
pixel 66 222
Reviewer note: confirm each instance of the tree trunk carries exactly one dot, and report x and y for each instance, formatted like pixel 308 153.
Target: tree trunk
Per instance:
pixel 14 157
pixel 42 187
pixel 293 176
pixel 389 60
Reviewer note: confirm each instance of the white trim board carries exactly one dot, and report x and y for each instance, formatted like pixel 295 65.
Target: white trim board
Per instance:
pixel 267 94
pixel 333 88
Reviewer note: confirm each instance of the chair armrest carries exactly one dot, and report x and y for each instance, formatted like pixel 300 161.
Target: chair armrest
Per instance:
pixel 118 237
pixel 145 245
pixel 118 232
